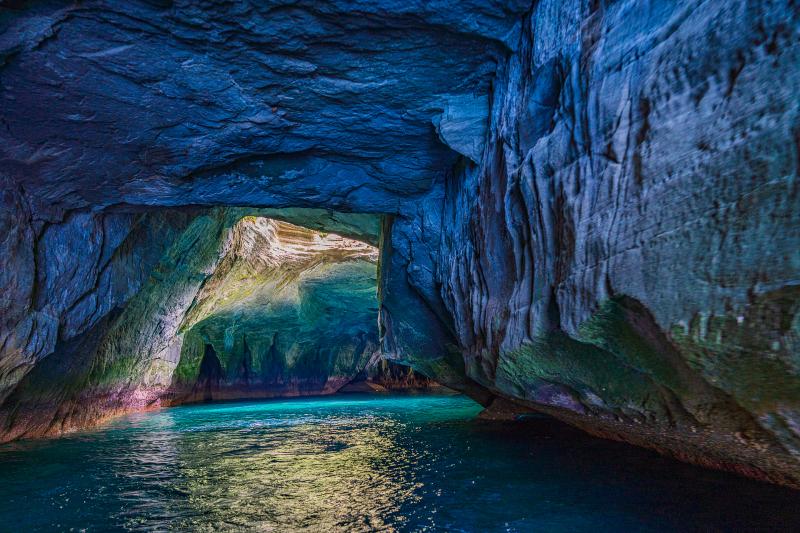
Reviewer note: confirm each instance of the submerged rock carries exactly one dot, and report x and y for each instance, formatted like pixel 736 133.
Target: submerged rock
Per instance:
pixel 588 209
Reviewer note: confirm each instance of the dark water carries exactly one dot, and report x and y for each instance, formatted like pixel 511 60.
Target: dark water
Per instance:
pixel 363 463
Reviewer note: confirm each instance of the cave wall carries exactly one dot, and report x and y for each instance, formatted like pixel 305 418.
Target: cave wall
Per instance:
pixel 625 253
pixel 129 299
pixel 589 208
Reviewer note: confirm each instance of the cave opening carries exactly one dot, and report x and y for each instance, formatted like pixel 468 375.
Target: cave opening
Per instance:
pixel 287 311
pixel 207 304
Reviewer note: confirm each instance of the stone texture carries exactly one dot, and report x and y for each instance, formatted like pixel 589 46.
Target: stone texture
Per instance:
pixel 121 359
pixel 287 312
pixel 587 208
pixel 301 104
pixel 463 123
pixel 626 253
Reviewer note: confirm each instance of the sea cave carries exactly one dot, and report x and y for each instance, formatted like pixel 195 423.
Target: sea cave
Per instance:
pixel 373 265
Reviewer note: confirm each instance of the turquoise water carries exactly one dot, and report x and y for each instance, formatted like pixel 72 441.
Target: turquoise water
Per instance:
pixel 365 463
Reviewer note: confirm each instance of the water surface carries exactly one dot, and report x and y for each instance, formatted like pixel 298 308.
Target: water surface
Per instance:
pixel 364 463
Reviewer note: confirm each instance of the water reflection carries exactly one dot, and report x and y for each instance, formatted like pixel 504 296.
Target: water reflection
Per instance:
pixel 326 475
pixel 364 464
pixel 261 468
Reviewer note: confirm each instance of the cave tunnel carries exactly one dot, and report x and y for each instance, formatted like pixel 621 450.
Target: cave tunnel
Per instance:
pixel 583 212
pixel 288 311
pixel 232 303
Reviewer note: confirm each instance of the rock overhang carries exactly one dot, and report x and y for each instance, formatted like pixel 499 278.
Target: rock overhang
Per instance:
pixel 302 105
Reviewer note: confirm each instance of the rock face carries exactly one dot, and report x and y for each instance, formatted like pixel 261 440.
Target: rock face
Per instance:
pixel 288 311
pixel 586 208
pixel 626 254
pixel 131 279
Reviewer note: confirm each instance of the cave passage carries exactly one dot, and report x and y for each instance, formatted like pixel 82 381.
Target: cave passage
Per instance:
pixel 588 210
pixel 232 303
pixel 288 311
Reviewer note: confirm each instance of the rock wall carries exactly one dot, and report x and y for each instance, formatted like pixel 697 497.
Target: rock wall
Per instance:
pixel 626 254
pixel 131 278
pixel 589 208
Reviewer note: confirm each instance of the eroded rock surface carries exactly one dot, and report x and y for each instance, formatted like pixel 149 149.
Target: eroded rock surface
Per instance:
pixel 586 208
pixel 132 303
pixel 288 311
pixel 626 253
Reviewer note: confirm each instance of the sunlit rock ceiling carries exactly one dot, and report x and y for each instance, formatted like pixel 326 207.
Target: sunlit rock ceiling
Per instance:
pixel 287 311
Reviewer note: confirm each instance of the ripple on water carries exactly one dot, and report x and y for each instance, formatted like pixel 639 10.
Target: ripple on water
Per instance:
pixel 364 463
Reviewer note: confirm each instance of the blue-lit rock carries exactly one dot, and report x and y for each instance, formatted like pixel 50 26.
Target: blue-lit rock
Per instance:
pixel 588 208
pixel 463 123
pixel 626 255
pixel 300 104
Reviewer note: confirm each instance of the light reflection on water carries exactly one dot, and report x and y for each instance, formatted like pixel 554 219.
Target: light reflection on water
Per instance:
pixel 321 464
pixel 363 463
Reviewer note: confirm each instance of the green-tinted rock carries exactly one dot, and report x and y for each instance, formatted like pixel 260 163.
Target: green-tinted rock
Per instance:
pixel 288 311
